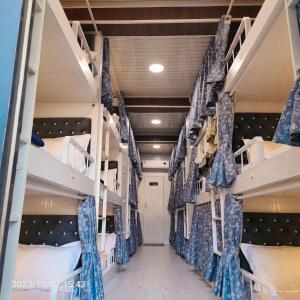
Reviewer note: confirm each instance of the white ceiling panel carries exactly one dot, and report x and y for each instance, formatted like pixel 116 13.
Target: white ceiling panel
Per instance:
pixel 180 55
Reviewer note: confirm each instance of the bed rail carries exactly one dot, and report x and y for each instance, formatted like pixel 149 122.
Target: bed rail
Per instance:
pixel 66 286
pixel 258 141
pixel 237 42
pixel 79 34
pixel 68 142
pixel 251 280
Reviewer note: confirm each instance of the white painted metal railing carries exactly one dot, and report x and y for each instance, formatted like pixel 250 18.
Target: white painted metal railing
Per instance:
pixel 79 34
pixel 237 42
pixel 253 281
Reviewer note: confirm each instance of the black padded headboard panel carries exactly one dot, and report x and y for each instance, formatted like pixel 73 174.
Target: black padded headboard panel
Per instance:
pixel 249 125
pixel 49 230
pixel 60 127
pixel 110 224
pixel 271 229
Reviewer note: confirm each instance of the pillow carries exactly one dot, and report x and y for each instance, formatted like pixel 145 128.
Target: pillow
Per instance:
pixel 36 140
pixel 37 263
pixel 75 159
pixel 255 154
pixel 111 181
pixel 275 265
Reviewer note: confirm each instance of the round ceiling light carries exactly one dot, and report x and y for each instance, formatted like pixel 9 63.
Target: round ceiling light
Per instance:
pixel 155 121
pixel 156 146
pixel 156 68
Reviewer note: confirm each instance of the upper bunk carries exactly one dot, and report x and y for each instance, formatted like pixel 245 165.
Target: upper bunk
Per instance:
pixel 260 60
pixel 67 71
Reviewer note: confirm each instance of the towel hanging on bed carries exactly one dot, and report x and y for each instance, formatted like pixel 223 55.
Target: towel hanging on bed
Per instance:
pixel 223 171
pixel 288 128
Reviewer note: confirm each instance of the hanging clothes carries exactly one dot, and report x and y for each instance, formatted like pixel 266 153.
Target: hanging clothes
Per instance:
pixel 139 230
pixel 178 199
pixel 124 131
pixel 223 171
pixel 288 128
pixel 180 243
pixel 121 254
pixel 133 196
pixel 91 265
pixel 190 186
pixel 209 143
pixel 229 283
pixel 106 94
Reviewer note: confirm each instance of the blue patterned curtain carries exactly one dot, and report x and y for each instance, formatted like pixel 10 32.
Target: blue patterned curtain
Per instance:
pixel 133 197
pixel 288 128
pixel 180 151
pixel 209 81
pixel 121 248
pixel 91 266
pixel 134 155
pixel 171 163
pixel 190 186
pixel 200 252
pixel 132 242
pixel 106 96
pixel 171 203
pixel 223 171
pixel 229 281
pixel 124 132
pixel 180 243
pixel 172 230
pixel 217 68
pixel 139 230
pixel 178 199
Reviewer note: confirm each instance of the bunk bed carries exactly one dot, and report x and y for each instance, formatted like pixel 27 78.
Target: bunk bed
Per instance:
pixel 68 70
pixel 52 170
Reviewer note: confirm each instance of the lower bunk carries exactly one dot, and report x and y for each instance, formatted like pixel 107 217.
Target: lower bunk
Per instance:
pixel 258 257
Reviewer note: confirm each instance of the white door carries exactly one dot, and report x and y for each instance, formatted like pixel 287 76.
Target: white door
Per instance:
pixel 153 217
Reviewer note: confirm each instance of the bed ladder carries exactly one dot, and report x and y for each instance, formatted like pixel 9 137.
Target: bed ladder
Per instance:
pixel 217 219
pixel 106 128
pixel 26 93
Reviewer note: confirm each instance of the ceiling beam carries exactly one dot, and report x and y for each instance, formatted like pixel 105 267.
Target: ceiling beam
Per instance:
pixel 155 3
pixel 161 139
pixel 157 105
pixel 160 13
pixel 157 29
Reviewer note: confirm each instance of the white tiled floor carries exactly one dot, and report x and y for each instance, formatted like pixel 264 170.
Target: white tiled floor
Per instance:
pixel 156 273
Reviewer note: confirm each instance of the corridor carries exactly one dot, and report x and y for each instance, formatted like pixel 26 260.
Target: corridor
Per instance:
pixel 157 273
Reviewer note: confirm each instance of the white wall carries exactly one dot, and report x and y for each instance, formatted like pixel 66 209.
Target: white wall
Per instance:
pixel 166 217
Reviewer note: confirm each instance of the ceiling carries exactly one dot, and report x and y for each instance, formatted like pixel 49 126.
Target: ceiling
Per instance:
pixel 181 57
pixel 173 33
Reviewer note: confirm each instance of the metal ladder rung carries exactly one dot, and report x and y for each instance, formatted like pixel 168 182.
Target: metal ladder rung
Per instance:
pixel 217 219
